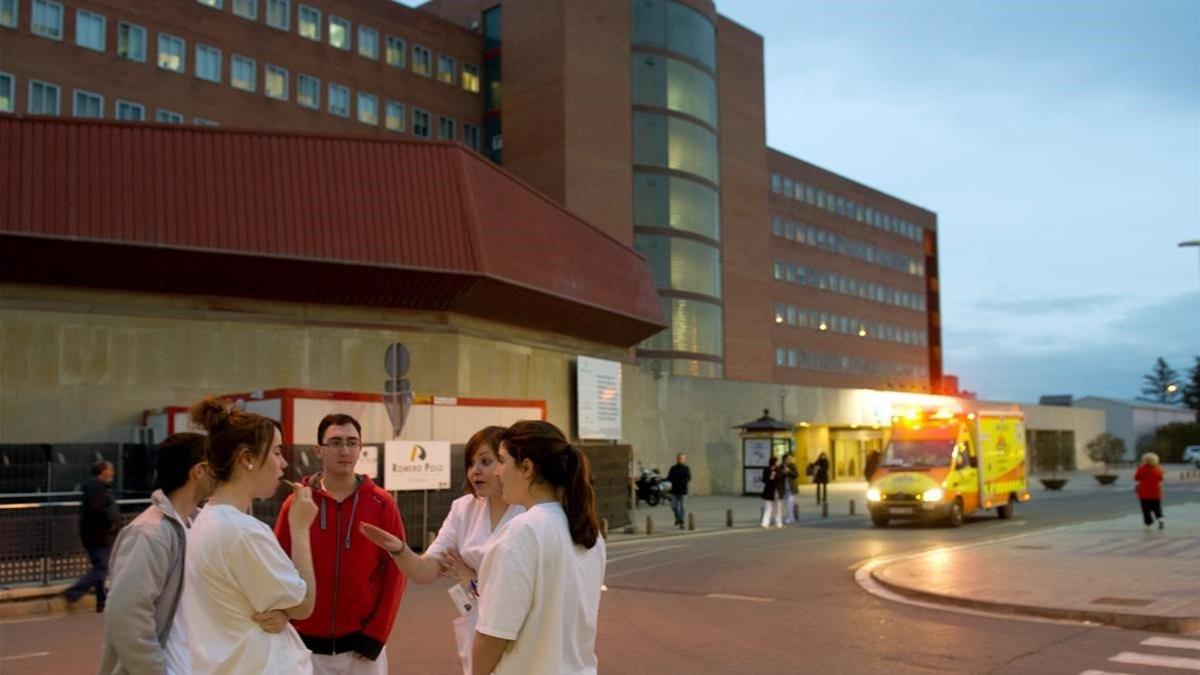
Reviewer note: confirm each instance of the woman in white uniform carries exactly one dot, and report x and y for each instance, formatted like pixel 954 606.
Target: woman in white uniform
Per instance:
pixel 235 567
pixel 539 586
pixel 465 536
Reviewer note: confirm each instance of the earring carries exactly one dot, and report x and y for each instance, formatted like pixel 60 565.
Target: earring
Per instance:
pixel 250 466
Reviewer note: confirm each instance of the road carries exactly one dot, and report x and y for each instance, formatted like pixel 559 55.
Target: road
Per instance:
pixel 758 601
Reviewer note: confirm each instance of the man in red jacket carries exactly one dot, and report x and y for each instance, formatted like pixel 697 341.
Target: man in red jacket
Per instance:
pixel 358 586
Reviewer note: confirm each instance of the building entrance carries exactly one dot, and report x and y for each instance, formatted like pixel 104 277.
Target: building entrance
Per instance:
pixel 849 451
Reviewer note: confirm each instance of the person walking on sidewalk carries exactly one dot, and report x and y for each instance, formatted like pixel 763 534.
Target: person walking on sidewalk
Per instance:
pixel 679 476
pixel 1149 479
pixel 358 587
pixel 772 494
pixel 97 525
pixel 821 478
pixel 790 474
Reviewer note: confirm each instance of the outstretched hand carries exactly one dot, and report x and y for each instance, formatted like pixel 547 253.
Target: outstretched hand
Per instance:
pixel 382 538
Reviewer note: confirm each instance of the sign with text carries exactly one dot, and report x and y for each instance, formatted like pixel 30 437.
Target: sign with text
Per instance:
pixel 598 398
pixel 416 465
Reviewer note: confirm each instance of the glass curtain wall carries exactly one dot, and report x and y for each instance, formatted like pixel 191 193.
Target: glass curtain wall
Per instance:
pixel 676 179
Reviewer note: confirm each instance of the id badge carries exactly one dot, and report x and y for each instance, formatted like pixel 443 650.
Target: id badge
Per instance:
pixel 462 600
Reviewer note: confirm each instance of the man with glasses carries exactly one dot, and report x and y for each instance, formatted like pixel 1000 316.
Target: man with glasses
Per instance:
pixel 358 587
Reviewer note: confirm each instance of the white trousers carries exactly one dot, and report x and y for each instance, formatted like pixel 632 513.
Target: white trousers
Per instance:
pixel 347 663
pixel 772 512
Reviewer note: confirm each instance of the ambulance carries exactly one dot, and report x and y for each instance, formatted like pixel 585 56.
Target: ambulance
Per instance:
pixel 940 466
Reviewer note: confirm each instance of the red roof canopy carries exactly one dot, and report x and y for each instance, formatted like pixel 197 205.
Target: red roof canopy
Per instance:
pixel 308 218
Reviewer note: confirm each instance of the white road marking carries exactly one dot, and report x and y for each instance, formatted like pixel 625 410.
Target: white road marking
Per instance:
pixel 24 656
pixel 747 598
pixel 627 556
pixel 1157 661
pixel 1177 643
pixel 1100 672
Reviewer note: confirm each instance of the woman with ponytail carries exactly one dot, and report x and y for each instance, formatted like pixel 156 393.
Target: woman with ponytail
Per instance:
pixel 239 585
pixel 539 585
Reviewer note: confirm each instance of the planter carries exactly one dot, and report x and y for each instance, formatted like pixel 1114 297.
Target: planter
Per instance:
pixel 1106 478
pixel 1053 483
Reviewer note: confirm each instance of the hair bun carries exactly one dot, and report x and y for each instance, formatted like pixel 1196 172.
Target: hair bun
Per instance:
pixel 210 413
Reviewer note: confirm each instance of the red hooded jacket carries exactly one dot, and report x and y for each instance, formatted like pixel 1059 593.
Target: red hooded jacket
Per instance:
pixel 1149 481
pixel 358 586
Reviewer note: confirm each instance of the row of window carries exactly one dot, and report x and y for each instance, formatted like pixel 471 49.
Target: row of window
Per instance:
pixel 818 197
pixel 91 33
pixel 848 325
pixel 44 100
pixel 838 243
pixel 840 283
pixel 842 363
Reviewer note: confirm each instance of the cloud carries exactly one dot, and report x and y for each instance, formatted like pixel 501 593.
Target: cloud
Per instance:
pixel 1051 304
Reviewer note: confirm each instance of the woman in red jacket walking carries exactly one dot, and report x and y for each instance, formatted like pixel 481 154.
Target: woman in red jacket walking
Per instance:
pixel 1149 479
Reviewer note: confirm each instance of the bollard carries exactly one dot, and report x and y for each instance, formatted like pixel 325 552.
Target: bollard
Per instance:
pixel 851 507
pixel 795 511
pixel 649 525
pixel 691 520
pixel 824 509
pixel 604 528
pixel 728 517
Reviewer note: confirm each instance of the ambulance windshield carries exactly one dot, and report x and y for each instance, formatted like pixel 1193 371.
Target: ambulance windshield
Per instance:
pixel 913 452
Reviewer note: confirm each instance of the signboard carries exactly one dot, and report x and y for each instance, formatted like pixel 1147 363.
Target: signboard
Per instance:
pixel 756 452
pixel 753 480
pixel 416 465
pixel 368 462
pixel 598 398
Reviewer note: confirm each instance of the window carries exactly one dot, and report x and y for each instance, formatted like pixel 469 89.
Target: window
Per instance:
pixel 308 21
pixel 279 14
pixel 131 41
pixel 171 54
pixel 422 63
pixel 168 116
pixel 43 98
pixel 208 63
pixel 243 73
pixel 202 122
pixel 308 91
pixel 47 21
pixel 339 32
pixel 368 42
pixel 275 82
pixel 215 4
pixel 420 123
pixel 89 29
pixel 88 104
pixel 8 13
pixel 780 356
pixel 127 110
pixel 394 117
pixel 339 100
pixel 446 128
pixel 395 51
pixel 247 9
pixel 471 136
pixel 368 108
pixel 470 78
pixel 7 93
pixel 447 69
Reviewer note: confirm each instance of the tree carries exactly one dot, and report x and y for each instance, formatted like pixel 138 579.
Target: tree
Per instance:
pixel 1161 384
pixel 1105 449
pixel 1191 388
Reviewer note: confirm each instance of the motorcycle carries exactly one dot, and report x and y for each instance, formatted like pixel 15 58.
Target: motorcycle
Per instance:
pixel 652 488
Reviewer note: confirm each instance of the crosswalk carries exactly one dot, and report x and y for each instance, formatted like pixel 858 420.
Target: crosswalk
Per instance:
pixel 1162 654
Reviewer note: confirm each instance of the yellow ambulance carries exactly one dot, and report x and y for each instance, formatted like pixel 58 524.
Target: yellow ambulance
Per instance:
pixel 940 466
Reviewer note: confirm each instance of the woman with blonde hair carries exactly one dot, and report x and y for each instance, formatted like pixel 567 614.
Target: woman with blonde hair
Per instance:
pixel 1149 477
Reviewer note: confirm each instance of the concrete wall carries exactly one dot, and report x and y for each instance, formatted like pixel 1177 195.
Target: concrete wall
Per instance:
pixel 1128 421
pixel 1087 424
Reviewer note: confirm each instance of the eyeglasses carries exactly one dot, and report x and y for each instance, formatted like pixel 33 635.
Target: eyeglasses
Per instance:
pixel 339 443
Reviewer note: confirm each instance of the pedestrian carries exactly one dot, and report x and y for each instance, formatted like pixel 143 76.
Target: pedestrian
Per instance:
pixel 539 585
pixel 358 588
pixel 467 533
pixel 821 478
pixel 679 476
pixel 1149 477
pixel 790 474
pixel 872 464
pixel 235 569
pixel 144 631
pixel 772 494
pixel 98 518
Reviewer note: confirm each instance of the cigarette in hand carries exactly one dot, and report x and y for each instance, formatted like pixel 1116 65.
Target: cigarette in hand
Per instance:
pixel 291 484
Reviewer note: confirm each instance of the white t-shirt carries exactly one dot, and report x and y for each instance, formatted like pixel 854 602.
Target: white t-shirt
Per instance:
pixel 540 590
pixel 468 530
pixel 235 569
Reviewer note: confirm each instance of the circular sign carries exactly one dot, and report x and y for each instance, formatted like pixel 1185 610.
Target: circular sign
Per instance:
pixel 395 360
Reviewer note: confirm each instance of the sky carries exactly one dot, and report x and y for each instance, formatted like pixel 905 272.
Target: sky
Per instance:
pixel 1058 141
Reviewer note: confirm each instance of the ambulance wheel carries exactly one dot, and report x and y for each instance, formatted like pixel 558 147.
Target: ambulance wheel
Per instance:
pixel 879 520
pixel 1005 511
pixel 955 517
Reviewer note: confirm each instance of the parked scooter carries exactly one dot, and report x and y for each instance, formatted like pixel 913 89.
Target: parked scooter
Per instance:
pixel 652 488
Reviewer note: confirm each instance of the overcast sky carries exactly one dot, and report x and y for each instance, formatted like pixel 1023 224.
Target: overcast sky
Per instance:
pixel 1057 140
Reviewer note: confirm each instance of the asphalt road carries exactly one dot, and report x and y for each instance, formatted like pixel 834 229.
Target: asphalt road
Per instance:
pixel 755 601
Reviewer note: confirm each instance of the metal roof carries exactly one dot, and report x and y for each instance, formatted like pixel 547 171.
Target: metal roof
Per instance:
pixel 308 218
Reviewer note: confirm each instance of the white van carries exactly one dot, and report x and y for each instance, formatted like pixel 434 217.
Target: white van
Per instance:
pixel 1192 454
